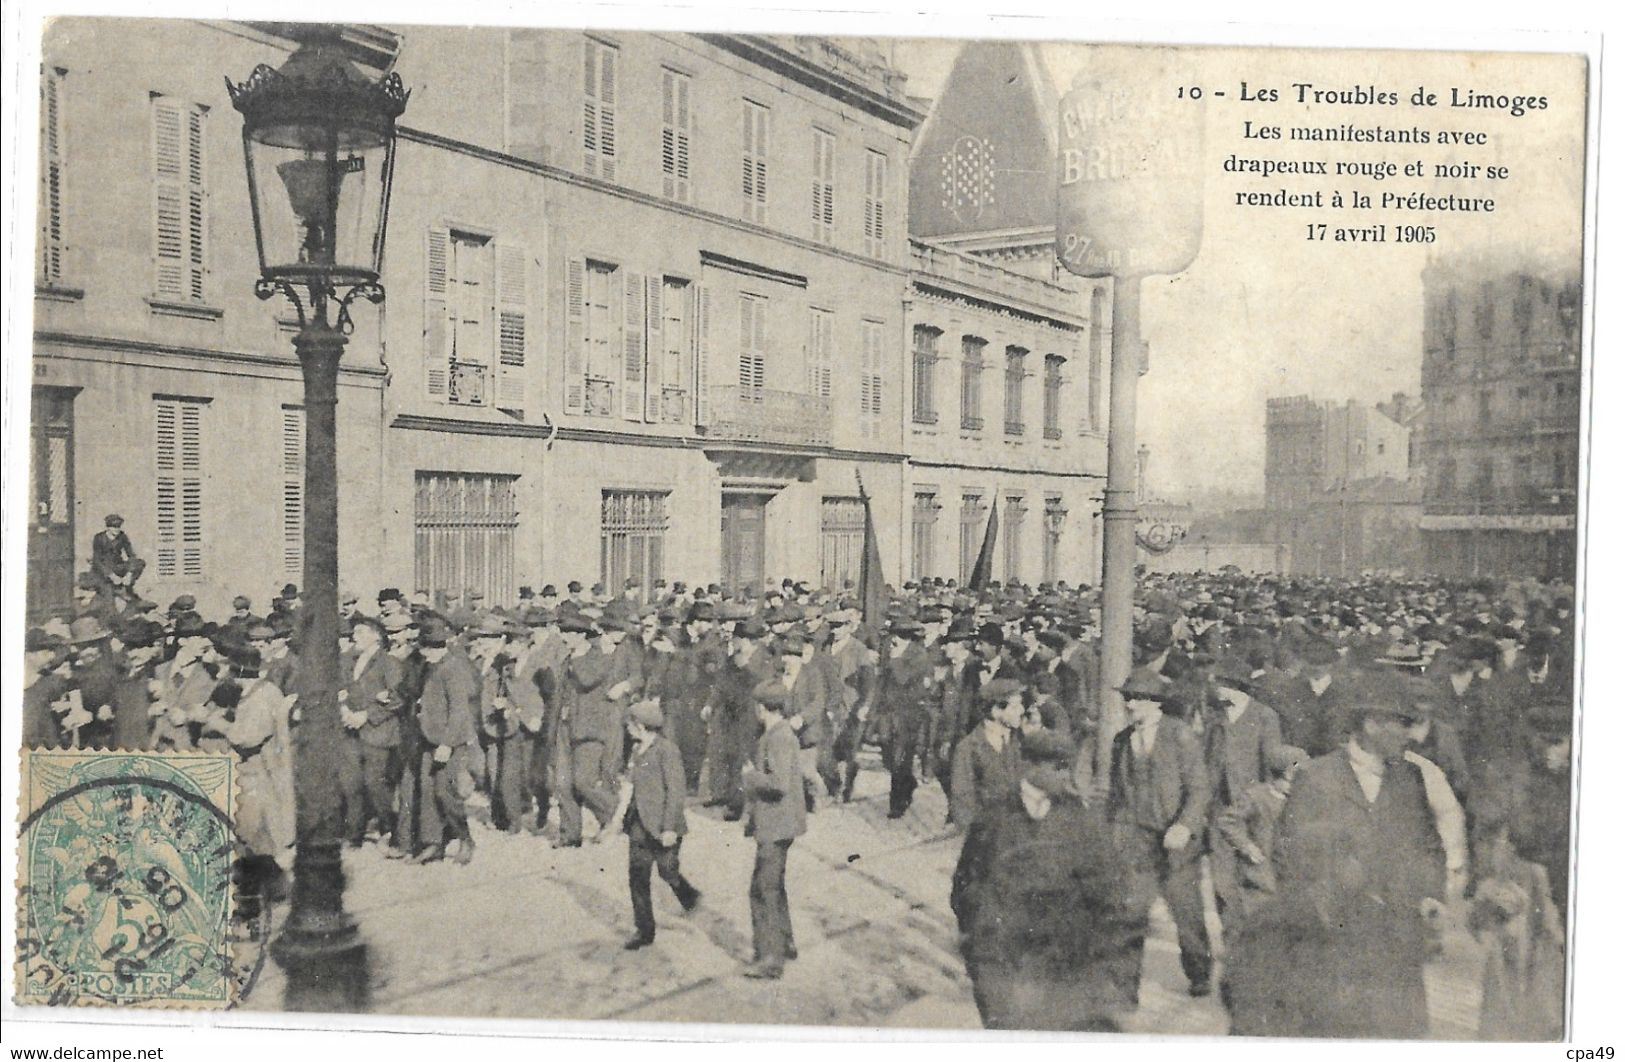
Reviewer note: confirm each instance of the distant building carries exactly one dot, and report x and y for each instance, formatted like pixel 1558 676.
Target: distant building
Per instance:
pixel 1501 383
pixel 1338 490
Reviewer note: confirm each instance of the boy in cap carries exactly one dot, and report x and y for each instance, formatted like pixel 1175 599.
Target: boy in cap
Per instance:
pixel 112 557
pixel 778 815
pixel 651 813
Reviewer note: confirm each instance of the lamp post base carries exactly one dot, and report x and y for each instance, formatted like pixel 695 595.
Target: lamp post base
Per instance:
pixel 320 948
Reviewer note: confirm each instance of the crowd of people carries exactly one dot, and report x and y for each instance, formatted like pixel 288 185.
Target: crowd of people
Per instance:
pixel 1349 761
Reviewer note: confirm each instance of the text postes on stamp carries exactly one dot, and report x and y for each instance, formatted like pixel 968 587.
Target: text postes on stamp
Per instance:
pixel 124 879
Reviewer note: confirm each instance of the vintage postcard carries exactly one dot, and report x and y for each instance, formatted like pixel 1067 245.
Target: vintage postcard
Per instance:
pixel 1014 535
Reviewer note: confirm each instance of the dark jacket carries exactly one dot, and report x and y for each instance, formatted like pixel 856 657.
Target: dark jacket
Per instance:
pixel 982 776
pixel 1179 788
pixel 778 811
pixel 1047 908
pixel 450 701
pixel 381 676
pixel 1239 754
pixel 658 788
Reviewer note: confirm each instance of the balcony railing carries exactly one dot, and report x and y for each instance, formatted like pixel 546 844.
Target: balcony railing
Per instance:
pixel 968 269
pixel 757 414
pixel 466 384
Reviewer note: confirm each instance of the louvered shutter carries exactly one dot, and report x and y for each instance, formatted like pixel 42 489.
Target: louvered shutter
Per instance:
pixel 589 108
pixel 437 312
pixel 293 490
pixel 575 334
pixel 874 204
pixel 169 199
pixel 52 145
pixel 635 325
pixel 178 479
pixel 197 229
pixel 654 344
pixel 607 59
pixel 702 355
pixel 512 325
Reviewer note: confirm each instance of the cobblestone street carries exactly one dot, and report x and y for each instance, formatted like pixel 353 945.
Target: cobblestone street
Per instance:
pixel 526 931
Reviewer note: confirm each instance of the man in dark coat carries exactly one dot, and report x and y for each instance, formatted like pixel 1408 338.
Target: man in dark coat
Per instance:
pixel 903 711
pixel 1159 798
pixel 1359 871
pixel 1049 925
pixel 448 708
pixel 987 761
pixel 652 815
pixel 593 689
pixel 372 697
pixel 1243 740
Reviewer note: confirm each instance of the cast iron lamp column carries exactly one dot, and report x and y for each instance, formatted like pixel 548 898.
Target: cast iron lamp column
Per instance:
pixel 327 133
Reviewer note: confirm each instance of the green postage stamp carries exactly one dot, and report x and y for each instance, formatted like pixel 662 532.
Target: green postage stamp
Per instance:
pixel 124 892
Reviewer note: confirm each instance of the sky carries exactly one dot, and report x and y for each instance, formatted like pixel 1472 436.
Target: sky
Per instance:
pixel 1263 311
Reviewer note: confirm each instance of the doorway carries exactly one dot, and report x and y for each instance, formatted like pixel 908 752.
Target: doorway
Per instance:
pixel 50 509
pixel 744 541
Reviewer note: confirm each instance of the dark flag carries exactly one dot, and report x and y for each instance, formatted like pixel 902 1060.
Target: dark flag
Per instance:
pixel 982 574
pixel 872 582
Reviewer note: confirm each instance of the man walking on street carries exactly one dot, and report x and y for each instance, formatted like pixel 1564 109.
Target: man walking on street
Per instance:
pixel 651 812
pixel 778 815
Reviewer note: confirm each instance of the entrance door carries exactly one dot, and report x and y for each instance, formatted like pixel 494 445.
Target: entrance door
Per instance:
pixel 744 540
pixel 50 509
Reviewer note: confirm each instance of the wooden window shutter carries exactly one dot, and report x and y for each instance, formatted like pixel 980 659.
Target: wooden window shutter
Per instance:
pixel 575 334
pixel 52 173
pixel 293 490
pixel 437 312
pixel 654 345
pixel 512 325
pixel 169 199
pixel 197 227
pixel 589 107
pixel 607 60
pixel 191 467
pixel 702 355
pixel 166 462
pixel 635 350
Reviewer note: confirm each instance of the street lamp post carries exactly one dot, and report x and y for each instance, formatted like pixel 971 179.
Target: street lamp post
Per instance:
pixel 319 144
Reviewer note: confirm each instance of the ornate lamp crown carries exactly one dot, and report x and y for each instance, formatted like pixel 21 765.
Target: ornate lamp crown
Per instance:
pixel 318 81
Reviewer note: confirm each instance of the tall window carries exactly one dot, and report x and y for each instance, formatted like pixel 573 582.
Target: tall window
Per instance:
pixel 464 525
pixel 972 351
pixel 459 309
pixel 823 186
pixel 1097 352
pixel 820 344
pixel 1054 521
pixel 840 539
pixel 1052 395
pixel 604 341
pixel 874 204
pixel 1015 511
pixel 753 162
pixel 925 368
pixel 675 130
pixel 972 525
pixel 676 349
pixel 1015 376
pixel 752 344
pixel 293 490
pixel 872 390
pixel 923 562
pixel 51 171
pixel 598 95
pixel 178 478
pixel 632 538
pixel 180 199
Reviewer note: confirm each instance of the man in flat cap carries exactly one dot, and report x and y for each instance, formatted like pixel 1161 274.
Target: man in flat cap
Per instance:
pixel 651 813
pixel 1159 793
pixel 448 710
pixel 1360 873
pixel 1242 738
pixel 113 559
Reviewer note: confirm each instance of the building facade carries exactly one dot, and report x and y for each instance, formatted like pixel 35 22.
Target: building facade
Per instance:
pixel 1501 385
pixel 1339 493
pixel 630 280
pixel 653 314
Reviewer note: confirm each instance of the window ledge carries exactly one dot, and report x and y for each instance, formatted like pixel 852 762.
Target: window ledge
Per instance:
pixel 195 310
pixel 58 293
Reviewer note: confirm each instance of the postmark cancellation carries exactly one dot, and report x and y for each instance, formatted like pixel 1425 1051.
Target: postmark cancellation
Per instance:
pixel 124 892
